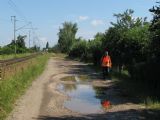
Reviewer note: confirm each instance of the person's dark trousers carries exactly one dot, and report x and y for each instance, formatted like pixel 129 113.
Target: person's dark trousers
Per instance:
pixel 105 71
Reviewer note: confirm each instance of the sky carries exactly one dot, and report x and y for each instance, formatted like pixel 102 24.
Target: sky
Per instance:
pixel 47 16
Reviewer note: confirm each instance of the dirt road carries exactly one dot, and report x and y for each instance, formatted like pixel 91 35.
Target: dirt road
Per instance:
pixel 44 101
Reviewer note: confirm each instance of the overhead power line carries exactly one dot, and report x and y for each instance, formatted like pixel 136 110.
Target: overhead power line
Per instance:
pixel 17 10
pixel 23 26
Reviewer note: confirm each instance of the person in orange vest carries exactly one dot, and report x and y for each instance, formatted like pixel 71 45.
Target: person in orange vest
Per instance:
pixel 106 64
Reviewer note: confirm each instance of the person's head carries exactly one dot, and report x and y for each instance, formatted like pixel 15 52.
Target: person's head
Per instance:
pixel 106 53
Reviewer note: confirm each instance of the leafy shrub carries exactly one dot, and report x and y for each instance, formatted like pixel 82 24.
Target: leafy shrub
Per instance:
pixel 78 49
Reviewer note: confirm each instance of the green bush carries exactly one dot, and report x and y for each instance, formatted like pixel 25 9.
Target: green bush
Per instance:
pixel 78 49
pixel 6 50
pixel 95 49
pixel 147 73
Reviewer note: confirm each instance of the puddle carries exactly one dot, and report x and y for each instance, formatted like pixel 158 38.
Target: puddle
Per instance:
pixel 83 97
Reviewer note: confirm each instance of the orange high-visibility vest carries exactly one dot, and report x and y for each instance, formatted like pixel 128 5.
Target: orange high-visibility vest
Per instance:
pixel 106 61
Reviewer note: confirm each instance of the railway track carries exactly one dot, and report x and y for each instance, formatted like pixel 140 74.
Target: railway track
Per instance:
pixel 16 60
pixel 7 66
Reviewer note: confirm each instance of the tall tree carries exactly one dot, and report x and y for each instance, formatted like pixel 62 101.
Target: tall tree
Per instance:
pixel 153 71
pixel 155 32
pixel 47 45
pixel 67 36
pixel 95 47
pixel 21 41
pixel 20 44
pixel 126 38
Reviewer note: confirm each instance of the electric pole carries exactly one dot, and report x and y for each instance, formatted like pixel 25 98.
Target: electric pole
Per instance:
pixel 29 35
pixel 29 38
pixel 13 18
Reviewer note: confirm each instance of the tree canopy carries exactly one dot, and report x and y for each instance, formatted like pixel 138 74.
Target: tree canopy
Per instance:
pixel 67 36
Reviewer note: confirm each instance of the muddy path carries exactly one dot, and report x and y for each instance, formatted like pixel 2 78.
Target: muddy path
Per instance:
pixel 55 95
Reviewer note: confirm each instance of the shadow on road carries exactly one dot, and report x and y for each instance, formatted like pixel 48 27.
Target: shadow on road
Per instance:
pixel 84 70
pixel 121 115
pixel 131 114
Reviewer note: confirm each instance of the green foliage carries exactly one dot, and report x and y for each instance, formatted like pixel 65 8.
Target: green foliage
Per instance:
pixel 20 46
pixel 35 48
pixel 136 42
pixel 20 42
pixel 127 39
pixel 124 20
pixel 67 36
pixel 155 32
pixel 148 71
pixel 47 45
pixel 133 44
pixel 12 88
pixel 95 48
pixel 55 49
pixel 10 56
pixel 78 49
pixel 7 50
pixel 88 50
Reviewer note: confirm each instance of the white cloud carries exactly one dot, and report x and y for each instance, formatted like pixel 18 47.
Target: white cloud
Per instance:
pixel 97 22
pixel 83 18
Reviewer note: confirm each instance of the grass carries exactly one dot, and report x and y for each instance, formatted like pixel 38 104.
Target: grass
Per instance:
pixel 4 57
pixel 136 89
pixel 133 88
pixel 11 89
pixel 151 103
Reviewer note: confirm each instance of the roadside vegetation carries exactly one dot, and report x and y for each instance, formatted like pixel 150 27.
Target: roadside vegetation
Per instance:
pixel 10 56
pixel 134 46
pixel 15 86
pixel 20 47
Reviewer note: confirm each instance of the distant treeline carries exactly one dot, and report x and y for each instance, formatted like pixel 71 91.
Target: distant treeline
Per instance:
pixel 132 42
pixel 20 47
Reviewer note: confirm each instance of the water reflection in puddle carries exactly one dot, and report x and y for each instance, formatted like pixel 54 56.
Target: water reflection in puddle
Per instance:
pixel 83 97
